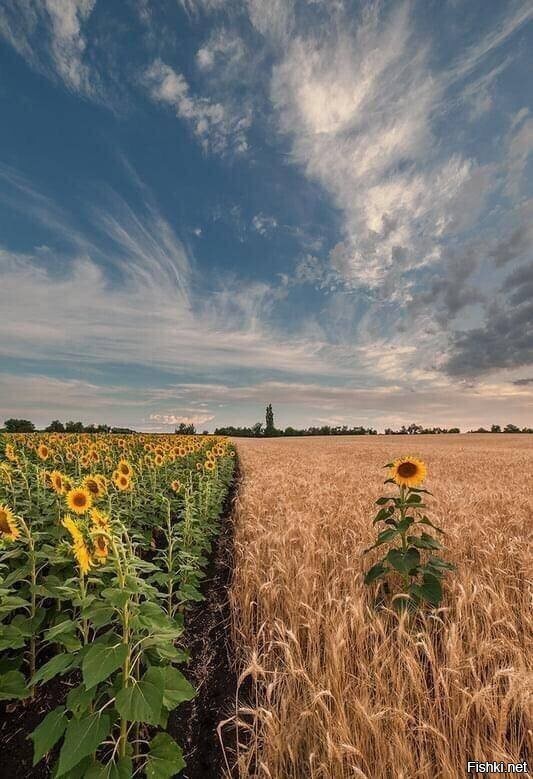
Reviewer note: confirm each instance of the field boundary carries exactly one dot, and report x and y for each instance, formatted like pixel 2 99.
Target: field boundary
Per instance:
pixel 212 667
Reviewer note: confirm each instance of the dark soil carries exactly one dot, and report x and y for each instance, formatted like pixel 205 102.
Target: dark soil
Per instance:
pixel 211 668
pixel 17 720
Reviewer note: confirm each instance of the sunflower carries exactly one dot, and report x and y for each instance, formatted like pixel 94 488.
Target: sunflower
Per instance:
pixel 57 482
pixel 176 485
pixel 43 452
pixel 9 530
pixel 209 465
pixel 94 485
pixel 83 558
pixel 10 453
pixel 122 482
pixel 101 549
pixel 124 467
pixel 73 528
pixel 158 459
pixel 79 500
pixel 408 471
pixel 99 520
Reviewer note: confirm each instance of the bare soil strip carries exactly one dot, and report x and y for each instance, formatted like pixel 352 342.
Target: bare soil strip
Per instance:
pixel 211 668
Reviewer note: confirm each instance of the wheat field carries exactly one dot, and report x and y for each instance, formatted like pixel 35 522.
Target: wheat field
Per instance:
pixel 330 688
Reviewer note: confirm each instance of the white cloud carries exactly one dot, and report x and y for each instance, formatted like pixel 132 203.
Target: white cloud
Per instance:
pixel 264 224
pixel 176 419
pixel 219 128
pixel 59 52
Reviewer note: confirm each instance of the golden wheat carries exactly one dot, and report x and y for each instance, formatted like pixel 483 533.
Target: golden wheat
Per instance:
pixel 331 689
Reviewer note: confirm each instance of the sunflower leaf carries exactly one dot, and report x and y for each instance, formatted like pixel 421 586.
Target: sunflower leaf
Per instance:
pixel 48 733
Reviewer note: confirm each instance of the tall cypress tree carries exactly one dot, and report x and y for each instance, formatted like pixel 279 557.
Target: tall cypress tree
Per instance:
pixel 269 419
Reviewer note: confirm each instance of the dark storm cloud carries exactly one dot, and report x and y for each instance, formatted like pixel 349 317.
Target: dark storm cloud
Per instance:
pixel 523 382
pixel 448 294
pixel 505 341
pixel 514 245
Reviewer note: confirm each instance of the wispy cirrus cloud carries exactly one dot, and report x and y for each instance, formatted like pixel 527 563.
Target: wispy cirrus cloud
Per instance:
pixel 50 36
pixel 218 127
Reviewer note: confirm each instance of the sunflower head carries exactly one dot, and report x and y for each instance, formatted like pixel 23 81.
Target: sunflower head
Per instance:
pixel 9 529
pixel 124 467
pixel 122 482
pixel 57 482
pixel 101 548
pixel 73 528
pixel 408 471
pixel 175 485
pixel 79 500
pixel 100 521
pixel 95 485
pixel 43 452
pixel 83 558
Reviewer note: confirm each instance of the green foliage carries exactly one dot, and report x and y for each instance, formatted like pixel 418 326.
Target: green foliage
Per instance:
pixel 411 581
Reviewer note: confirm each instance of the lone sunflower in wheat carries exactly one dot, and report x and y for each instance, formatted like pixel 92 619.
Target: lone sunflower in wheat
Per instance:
pixel 408 471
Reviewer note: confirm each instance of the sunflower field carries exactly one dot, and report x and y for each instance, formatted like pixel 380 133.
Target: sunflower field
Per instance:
pixel 103 546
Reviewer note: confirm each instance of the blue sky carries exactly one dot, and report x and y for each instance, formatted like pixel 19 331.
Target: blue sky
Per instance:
pixel 209 205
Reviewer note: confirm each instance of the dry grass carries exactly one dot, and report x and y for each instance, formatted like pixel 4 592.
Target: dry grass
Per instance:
pixel 332 689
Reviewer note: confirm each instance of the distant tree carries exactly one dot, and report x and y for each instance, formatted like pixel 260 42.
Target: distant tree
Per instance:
pixel 257 429
pixel 495 429
pixel 205 432
pixel 511 429
pixel 184 429
pixel 74 427
pixel 454 430
pixel 270 430
pixel 55 427
pixel 122 430
pixel 19 426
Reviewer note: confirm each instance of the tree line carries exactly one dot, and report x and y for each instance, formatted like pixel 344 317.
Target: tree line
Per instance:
pixel 258 430
pixel 56 426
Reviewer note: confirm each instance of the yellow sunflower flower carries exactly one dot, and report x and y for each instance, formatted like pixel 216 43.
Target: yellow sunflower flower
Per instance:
pixel 176 485
pixel 124 467
pixel 57 482
pixel 122 482
pixel 9 530
pixel 73 528
pixel 100 521
pixel 83 558
pixel 408 471
pixel 79 500
pixel 43 452
pixel 101 548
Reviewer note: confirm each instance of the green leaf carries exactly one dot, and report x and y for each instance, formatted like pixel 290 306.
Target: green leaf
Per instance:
pixel 79 700
pixel 48 733
pixel 116 597
pixel 382 501
pixel 67 626
pixel 101 660
pixel 82 738
pixel 59 664
pixel 176 688
pixel 165 758
pixel 122 769
pixel 426 521
pixel 425 541
pixel 376 572
pixel 13 685
pixel 430 590
pixel 383 514
pixel 414 498
pixel 11 637
pixel 141 701
pixel 405 524
pixel 436 562
pixel 404 561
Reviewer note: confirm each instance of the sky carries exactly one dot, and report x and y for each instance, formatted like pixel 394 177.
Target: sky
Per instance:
pixel 211 205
